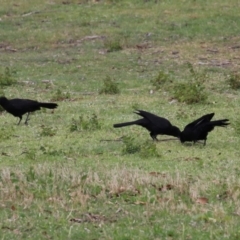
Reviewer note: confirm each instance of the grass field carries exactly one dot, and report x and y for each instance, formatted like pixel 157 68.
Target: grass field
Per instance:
pixel 69 174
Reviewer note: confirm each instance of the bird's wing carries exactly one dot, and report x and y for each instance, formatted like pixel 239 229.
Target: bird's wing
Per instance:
pixel 159 122
pixel 209 126
pixel 22 103
pixel 204 119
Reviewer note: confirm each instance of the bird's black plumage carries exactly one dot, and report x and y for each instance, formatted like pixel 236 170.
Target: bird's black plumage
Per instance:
pixel 18 107
pixel 154 124
pixel 199 128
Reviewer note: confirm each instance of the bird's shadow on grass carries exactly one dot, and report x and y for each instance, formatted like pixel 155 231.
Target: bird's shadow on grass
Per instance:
pixel 197 144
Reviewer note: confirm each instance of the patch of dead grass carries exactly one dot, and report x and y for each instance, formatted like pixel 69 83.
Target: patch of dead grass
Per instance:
pixel 67 186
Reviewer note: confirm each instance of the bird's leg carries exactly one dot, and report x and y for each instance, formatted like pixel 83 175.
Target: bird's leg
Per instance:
pixel 154 137
pixel 20 119
pixel 26 121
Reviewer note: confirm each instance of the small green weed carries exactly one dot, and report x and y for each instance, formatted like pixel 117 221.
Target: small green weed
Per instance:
pixel 109 87
pixel 193 90
pixel 51 151
pixel 145 149
pixel 75 125
pixel 6 78
pixel 31 174
pixel 189 93
pixel 48 131
pixel 198 76
pixel 30 154
pixel 85 123
pixel 59 95
pixel 161 79
pixel 113 44
pixel 136 106
pixel 236 125
pixel 149 149
pixel 234 81
pixel 130 145
pixel 6 132
pixel 2 92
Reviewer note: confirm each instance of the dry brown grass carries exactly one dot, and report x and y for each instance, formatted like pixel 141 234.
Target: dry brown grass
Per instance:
pixel 63 186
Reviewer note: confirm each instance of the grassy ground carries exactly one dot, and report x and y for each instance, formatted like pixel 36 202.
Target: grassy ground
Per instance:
pixel 66 175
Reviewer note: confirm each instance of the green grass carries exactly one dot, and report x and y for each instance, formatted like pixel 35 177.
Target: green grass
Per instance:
pixel 69 174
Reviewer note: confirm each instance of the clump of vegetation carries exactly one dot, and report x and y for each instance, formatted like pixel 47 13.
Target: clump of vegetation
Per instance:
pixel 30 154
pixel 193 90
pixel 136 106
pixel 85 123
pixel 109 87
pixel 234 81
pixel 113 44
pixel 6 132
pixel 6 78
pixel 161 80
pixel 145 149
pixel 51 150
pixel 2 92
pixel 190 92
pixel 130 145
pixel 59 95
pixel 48 131
pixel 236 125
pixel 149 149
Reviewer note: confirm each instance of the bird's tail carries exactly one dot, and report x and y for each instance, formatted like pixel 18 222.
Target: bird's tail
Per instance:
pixel 220 123
pixel 118 125
pixel 48 105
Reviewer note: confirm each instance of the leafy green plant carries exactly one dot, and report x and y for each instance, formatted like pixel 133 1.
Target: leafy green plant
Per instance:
pixel 113 44
pixel 30 154
pixel 2 92
pixel 85 123
pixel 48 131
pixel 6 132
pixel 161 80
pixel 190 92
pixel 193 90
pixel 6 78
pixel 236 125
pixel 149 149
pixel 109 87
pixel 59 95
pixel 234 81
pixel 51 150
pixel 145 149
pixel 31 174
pixel 130 145
pixel 136 106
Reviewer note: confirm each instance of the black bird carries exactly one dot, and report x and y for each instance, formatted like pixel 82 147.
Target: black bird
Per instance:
pixel 18 107
pixel 199 129
pixel 154 124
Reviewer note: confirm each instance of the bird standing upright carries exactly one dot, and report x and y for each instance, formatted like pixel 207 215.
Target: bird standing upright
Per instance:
pixel 154 124
pixel 18 107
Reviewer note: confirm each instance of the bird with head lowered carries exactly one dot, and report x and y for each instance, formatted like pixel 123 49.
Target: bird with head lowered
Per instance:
pixel 200 128
pixel 154 124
